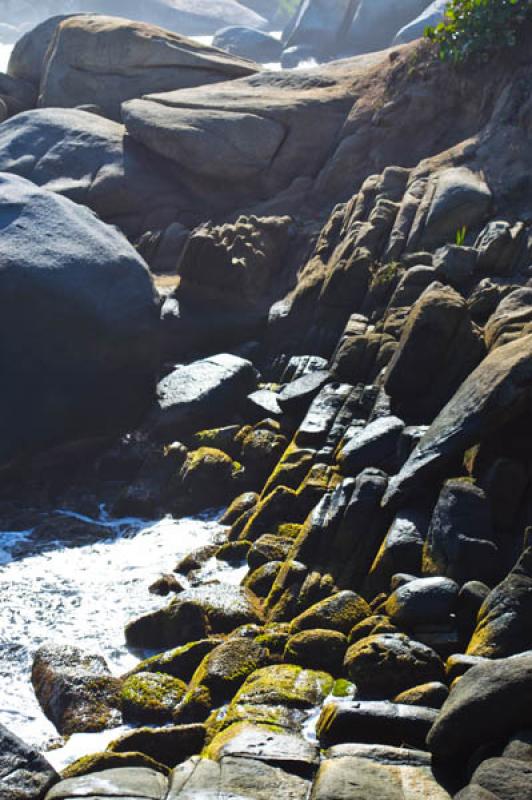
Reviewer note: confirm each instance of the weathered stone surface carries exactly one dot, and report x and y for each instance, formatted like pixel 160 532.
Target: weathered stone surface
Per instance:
pixel 151 697
pixel 339 612
pixel 317 649
pixel 437 350
pixel 81 360
pixel 193 614
pixel 202 394
pixel 375 723
pixel 226 668
pixel 490 702
pixel 511 319
pixel 88 159
pixel 375 445
pixel 137 782
pixel 375 23
pixel 242 778
pixel 169 745
pixel 505 778
pixel 423 601
pixel 498 390
pixel 386 664
pixel 503 623
pixel 24 773
pixel 401 551
pixel 106 61
pixel 248 43
pixel 75 689
pixel 430 695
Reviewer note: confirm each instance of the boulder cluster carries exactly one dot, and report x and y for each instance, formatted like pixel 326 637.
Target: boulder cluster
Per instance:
pixel 304 298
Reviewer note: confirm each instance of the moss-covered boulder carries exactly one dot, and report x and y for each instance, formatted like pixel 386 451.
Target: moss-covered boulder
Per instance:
pixel 317 649
pixel 388 664
pixel 181 662
pixel 291 469
pixel 261 580
pixel 428 695
pixel 261 449
pixel 208 478
pixel 233 552
pixel 371 626
pixel 269 547
pixel 151 697
pixel 240 505
pixel 226 667
pixel 340 612
pixel 97 762
pixel 169 745
pixel 285 685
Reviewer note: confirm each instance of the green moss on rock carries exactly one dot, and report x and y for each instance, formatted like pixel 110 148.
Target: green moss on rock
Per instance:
pixel 151 697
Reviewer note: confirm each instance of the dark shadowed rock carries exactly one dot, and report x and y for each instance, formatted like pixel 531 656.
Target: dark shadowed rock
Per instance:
pixel 497 391
pixel 375 445
pixel 169 745
pixel 79 323
pixel 505 778
pixel 248 43
pixel 423 601
pixel 24 773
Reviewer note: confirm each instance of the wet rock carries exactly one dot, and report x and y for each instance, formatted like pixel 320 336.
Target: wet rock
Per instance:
pixel 165 585
pixel 460 537
pixel 375 723
pixel 24 773
pixel 422 601
pixel 192 615
pixel 150 492
pixel 245 778
pixel 375 445
pixel 503 621
pixel 386 664
pixel 81 66
pixel 248 43
pixel 289 751
pixel 438 348
pixel 429 695
pixel 169 745
pixel 317 649
pixel 226 668
pixel 128 782
pixel 97 358
pixel 338 613
pixel 201 394
pixel 489 703
pixel 361 772
pixel 75 689
pixel 151 697
pixel 496 392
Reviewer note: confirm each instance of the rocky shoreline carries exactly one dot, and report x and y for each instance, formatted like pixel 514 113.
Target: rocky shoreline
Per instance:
pixel 304 297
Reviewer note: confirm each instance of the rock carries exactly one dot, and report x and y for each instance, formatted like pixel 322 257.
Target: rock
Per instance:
pixel 455 265
pixel 284 685
pixel 387 664
pixel 88 159
pixel 495 392
pixel 243 778
pixel 459 542
pixel 169 745
pixel 422 602
pixel 289 751
pixel 201 394
pixel 470 599
pixel 503 621
pixel 375 445
pixel 27 57
pixel 511 319
pixel 296 396
pixel 317 26
pixel 239 506
pixel 260 452
pixel 106 61
pixel 364 772
pixel 261 580
pixel 504 778
pixel 375 723
pixel 461 199
pixel 490 702
pixel 75 689
pixel 338 613
pixel 194 613
pixel 181 662
pixel 317 649
pixel 498 247
pixel 91 367
pixel 520 746
pixel 151 697
pixel 25 774
pixel 226 668
pixel 208 479
pixel 128 782
pixel 438 348
pixel 430 17
pixel 401 551
pixel 371 626
pixel 248 43
pixel 165 585
pixel 269 547
pixel 98 762
pixel 429 695
pixel 17 95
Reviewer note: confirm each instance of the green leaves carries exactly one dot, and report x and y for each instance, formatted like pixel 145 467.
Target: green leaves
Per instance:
pixel 476 28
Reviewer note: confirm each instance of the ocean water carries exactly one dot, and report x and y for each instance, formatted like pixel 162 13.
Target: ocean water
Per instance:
pixel 85 595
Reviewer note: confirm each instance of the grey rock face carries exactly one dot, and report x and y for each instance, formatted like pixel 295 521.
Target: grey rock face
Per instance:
pixel 24 773
pixel 422 601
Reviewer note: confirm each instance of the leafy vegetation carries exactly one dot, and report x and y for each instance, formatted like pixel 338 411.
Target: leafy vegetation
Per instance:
pixel 477 28
pixel 461 234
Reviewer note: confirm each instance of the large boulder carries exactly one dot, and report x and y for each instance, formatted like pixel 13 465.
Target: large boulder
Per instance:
pixel 433 14
pixel 25 774
pixel 318 24
pixel 90 160
pixel 488 704
pixel 439 347
pixel 248 43
pixel 27 57
pixel 376 22
pixel 78 325
pixel 75 689
pixel 103 61
pixel 497 391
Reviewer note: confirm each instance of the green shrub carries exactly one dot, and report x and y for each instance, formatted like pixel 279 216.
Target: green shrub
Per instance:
pixel 477 28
